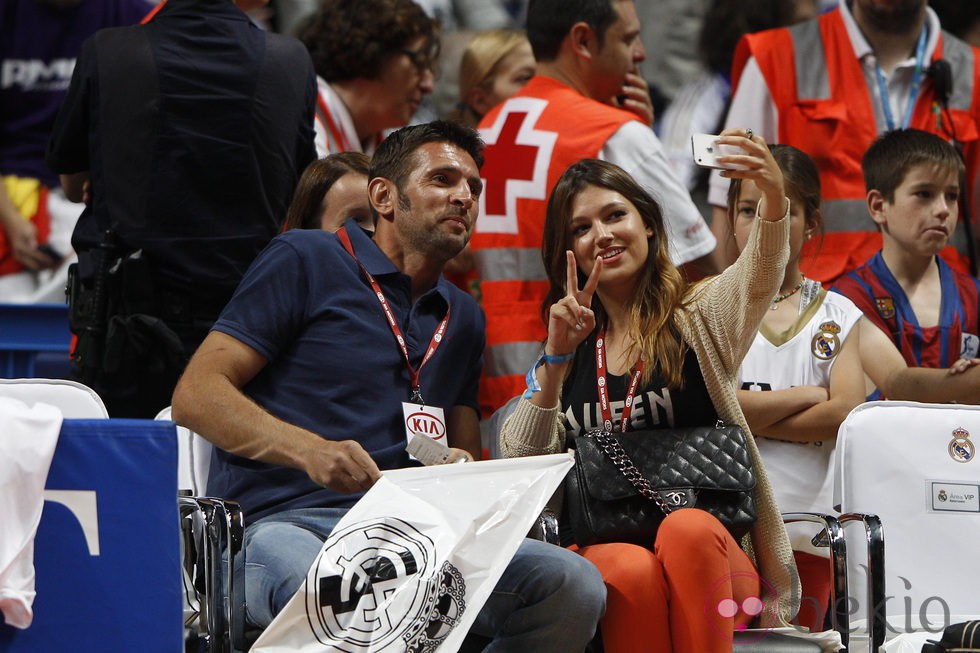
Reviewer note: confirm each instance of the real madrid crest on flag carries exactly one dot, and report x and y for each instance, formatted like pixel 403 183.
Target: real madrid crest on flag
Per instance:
pixel 375 576
pixel 960 448
pixel 826 343
pixel 885 306
pixel 404 571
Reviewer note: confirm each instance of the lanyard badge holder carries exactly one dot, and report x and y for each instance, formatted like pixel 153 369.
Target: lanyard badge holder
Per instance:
pixel 425 426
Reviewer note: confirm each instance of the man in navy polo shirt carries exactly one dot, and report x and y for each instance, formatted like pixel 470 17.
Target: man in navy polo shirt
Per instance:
pixel 301 382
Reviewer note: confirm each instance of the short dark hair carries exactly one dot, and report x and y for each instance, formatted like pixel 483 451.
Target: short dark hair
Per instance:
pixel 395 156
pixel 890 157
pixel 549 21
pixel 316 180
pixel 348 39
pixel 726 22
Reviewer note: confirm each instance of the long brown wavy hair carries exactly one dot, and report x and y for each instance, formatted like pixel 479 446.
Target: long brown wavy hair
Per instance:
pixel 654 327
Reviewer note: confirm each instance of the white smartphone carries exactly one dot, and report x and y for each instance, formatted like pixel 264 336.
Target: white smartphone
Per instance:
pixel 705 149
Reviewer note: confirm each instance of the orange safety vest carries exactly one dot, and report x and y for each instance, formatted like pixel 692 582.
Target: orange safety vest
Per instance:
pixel 531 140
pixel 825 109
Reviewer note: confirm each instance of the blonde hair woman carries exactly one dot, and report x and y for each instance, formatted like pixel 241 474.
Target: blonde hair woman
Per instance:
pixel 494 65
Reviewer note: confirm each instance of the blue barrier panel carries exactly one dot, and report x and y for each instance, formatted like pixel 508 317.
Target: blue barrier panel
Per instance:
pixel 107 553
pixel 27 330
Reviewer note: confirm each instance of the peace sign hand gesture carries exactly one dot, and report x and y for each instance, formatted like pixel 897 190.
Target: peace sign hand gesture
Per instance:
pixel 570 319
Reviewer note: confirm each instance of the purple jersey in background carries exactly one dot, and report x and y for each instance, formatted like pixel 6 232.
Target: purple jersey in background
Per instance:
pixel 39 41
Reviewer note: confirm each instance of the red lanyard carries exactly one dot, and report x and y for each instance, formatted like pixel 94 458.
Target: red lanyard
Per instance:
pixel 153 12
pixel 393 323
pixel 602 386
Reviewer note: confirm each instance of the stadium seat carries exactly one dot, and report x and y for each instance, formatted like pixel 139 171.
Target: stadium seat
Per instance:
pixel 76 401
pixel 31 332
pixel 914 465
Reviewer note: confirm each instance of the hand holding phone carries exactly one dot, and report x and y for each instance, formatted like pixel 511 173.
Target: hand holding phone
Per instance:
pixel 706 150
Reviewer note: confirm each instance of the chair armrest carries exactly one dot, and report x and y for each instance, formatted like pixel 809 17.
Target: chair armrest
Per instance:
pixel 224 588
pixel 832 537
pixel 874 539
pixel 546 527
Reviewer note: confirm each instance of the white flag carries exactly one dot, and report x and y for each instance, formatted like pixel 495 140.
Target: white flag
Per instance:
pixel 28 436
pixel 409 567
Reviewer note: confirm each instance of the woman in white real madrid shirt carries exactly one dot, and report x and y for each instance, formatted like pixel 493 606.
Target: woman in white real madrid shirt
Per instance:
pixel 809 372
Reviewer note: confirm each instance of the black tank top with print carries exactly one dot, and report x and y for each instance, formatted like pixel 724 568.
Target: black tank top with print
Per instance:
pixel 655 406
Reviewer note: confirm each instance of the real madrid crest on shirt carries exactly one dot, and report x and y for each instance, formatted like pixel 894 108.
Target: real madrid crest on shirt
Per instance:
pixel 960 448
pixel 826 343
pixel 886 307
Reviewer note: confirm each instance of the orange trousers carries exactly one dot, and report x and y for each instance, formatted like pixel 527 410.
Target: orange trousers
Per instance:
pixel 815 581
pixel 687 595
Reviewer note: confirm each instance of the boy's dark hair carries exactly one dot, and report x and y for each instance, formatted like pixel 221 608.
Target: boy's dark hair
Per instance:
pixel 549 21
pixel 347 39
pixel 894 153
pixel 395 156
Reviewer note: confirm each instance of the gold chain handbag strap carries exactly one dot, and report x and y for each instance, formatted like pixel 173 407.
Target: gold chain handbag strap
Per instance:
pixel 614 450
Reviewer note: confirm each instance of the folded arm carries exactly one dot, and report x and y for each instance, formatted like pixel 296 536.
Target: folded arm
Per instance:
pixel 821 419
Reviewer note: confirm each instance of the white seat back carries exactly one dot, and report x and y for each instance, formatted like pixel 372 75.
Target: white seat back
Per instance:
pixel 76 401
pixel 193 458
pixel 914 465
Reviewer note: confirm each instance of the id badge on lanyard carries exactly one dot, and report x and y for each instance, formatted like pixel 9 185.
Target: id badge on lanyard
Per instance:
pixel 425 426
pixel 425 433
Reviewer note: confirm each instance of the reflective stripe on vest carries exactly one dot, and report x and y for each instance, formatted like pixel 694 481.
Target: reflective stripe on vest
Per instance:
pixel 812 82
pixel 847 215
pixel 960 58
pixel 512 358
pixel 810 60
pixel 510 264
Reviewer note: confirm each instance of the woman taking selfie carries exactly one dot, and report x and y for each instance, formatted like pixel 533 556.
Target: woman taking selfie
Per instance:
pixel 626 332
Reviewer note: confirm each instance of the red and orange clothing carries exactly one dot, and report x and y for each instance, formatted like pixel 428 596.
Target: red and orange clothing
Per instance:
pixel 821 98
pixel 673 582
pixel 874 289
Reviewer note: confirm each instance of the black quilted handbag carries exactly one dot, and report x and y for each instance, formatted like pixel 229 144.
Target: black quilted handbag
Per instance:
pixel 624 484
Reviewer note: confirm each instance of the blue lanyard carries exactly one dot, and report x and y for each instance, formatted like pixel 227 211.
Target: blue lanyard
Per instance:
pixel 886 104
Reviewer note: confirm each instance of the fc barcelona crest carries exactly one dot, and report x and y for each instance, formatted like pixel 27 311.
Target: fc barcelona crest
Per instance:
pixel 961 449
pixel 885 306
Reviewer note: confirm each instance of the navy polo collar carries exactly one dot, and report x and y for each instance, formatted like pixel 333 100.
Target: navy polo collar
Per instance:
pixel 379 265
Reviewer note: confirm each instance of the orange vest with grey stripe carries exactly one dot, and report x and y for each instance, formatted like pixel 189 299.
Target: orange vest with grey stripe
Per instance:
pixel 825 109
pixel 531 140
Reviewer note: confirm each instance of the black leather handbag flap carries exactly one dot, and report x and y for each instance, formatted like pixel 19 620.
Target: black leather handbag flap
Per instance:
pixel 682 459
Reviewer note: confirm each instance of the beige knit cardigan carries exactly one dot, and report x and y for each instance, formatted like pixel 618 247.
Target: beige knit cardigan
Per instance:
pixel 719 322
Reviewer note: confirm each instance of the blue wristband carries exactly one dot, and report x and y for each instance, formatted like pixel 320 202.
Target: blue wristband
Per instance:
pixel 532 378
